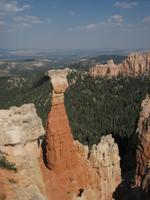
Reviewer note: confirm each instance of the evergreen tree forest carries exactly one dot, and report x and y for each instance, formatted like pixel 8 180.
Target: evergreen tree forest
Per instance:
pixel 100 106
pixel 29 89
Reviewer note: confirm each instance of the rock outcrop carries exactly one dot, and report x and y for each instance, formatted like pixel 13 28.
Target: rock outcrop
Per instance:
pixel 62 157
pixel 142 178
pixel 104 159
pixel 19 133
pixel 82 174
pixel 134 64
pixel 109 69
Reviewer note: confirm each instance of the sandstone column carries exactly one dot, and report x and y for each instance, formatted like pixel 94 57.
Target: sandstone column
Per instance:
pixel 60 148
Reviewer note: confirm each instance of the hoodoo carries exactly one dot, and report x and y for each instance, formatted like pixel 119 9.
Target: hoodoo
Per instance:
pixel 84 174
pixel 61 153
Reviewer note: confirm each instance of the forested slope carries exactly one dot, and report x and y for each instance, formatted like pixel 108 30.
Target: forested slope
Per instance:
pixel 33 89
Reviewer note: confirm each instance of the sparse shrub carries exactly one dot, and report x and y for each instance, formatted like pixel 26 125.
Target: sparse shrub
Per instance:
pixel 4 163
pixel 11 180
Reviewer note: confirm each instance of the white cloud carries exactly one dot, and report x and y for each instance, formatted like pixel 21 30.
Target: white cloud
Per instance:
pixel 146 19
pixel 116 20
pixel 126 5
pixel 28 20
pixel 12 6
pixel 91 27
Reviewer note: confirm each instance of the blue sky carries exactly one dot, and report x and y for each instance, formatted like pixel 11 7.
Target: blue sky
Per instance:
pixel 75 24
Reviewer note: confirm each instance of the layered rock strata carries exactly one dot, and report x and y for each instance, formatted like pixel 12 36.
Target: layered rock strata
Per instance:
pixel 82 174
pixel 134 64
pixel 19 133
pixel 142 178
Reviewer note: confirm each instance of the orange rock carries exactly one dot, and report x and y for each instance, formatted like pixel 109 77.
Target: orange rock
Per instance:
pixel 62 157
pixel 134 64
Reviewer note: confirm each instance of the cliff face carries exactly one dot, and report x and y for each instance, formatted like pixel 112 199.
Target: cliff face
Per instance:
pixel 19 133
pixel 134 64
pixel 82 174
pixel 142 178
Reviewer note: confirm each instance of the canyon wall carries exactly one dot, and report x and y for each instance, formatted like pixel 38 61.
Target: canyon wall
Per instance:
pixel 134 64
pixel 142 178
pixel 20 129
pixel 83 174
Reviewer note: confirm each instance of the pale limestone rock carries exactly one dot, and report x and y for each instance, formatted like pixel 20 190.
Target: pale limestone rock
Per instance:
pixel 104 162
pixel 137 63
pixel 20 125
pixel 59 84
pixel 59 80
pixel 20 130
pixel 104 158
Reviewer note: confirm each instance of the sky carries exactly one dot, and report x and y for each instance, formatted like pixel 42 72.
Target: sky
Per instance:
pixel 74 24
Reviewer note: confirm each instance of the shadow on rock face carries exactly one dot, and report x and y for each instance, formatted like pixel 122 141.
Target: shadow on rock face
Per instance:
pixel 125 191
pixel 43 145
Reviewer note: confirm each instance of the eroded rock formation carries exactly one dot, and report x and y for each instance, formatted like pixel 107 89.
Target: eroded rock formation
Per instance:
pixel 72 171
pixel 82 174
pixel 19 133
pixel 134 64
pixel 61 153
pixel 142 178
pixel 104 161
pixel 109 69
